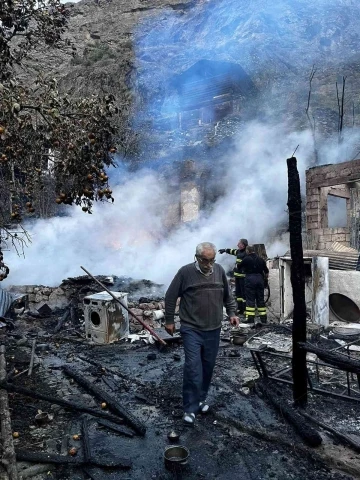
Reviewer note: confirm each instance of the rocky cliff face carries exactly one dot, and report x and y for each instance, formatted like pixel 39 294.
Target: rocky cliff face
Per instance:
pixel 138 48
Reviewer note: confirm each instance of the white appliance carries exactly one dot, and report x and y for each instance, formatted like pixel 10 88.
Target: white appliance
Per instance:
pixel 106 321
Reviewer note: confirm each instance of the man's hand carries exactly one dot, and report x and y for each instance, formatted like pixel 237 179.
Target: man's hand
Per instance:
pixel 222 250
pixel 170 328
pixel 234 321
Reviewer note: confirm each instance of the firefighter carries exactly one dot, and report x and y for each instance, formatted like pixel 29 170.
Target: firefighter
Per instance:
pixel 239 274
pixel 256 276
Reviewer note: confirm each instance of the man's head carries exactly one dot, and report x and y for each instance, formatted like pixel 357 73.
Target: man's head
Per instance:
pixel 205 255
pixel 242 244
pixel 250 249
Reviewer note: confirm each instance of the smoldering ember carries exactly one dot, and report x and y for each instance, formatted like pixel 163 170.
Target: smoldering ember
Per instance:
pixel 139 140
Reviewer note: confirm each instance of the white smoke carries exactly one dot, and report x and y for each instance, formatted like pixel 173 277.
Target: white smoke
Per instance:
pixel 129 237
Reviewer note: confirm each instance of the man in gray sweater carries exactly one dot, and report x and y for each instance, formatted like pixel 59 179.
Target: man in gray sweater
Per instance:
pixel 203 290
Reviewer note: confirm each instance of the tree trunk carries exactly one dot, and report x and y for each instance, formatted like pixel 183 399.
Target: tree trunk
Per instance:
pixel 299 369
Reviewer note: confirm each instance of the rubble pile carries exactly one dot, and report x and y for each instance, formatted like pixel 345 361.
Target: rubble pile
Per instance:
pixel 84 405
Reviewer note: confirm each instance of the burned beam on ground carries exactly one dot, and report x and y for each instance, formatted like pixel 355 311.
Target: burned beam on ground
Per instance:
pixel 111 402
pixel 40 457
pixel 59 401
pixel 86 440
pixel 299 369
pixel 343 362
pixel 115 428
pixel 35 470
pixel 8 458
pixel 341 436
pixel 310 436
pixel 31 366
pixel 114 371
pixel 62 320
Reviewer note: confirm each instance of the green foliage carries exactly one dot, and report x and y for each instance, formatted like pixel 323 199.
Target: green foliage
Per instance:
pixel 46 137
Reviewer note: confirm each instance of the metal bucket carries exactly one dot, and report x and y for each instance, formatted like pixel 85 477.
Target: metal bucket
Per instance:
pixel 176 456
pixel 239 339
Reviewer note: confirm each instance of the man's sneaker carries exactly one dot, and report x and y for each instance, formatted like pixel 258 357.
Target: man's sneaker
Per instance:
pixel 189 419
pixel 204 407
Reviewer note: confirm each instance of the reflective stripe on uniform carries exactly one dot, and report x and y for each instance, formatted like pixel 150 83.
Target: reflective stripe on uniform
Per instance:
pixel 239 299
pixel 250 312
pixel 239 274
pixel 238 260
pixel 233 251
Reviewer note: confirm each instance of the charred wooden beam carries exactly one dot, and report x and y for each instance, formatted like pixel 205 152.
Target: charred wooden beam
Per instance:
pixel 40 457
pixel 333 358
pixel 35 470
pixel 62 320
pixel 112 403
pixel 299 369
pixel 8 458
pixel 86 440
pixel 303 428
pixel 341 436
pixel 31 366
pixel 115 428
pixel 59 401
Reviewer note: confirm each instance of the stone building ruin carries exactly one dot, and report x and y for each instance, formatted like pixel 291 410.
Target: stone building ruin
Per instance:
pixel 341 181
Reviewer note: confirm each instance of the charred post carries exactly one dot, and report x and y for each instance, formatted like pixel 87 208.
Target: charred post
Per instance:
pixel 299 369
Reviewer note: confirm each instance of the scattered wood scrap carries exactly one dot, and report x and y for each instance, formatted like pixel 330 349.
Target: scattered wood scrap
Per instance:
pixel 59 401
pixel 310 436
pixel 341 436
pixel 333 358
pixel 111 402
pixel 40 457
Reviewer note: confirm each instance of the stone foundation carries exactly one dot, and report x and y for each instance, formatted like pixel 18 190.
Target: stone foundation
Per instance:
pixel 38 295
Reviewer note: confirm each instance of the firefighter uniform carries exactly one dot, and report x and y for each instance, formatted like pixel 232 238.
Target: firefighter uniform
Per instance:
pixel 256 270
pixel 239 276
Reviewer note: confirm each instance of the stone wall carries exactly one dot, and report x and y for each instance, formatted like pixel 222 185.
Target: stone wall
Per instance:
pixel 38 295
pixel 336 180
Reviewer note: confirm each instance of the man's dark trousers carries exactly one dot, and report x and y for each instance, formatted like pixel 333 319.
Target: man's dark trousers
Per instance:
pixel 254 286
pixel 240 293
pixel 201 348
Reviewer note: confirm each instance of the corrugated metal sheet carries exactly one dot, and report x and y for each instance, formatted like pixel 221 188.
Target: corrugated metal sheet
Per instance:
pixel 339 247
pixel 6 300
pixel 337 260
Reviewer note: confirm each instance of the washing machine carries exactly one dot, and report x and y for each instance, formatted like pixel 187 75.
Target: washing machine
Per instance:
pixel 106 321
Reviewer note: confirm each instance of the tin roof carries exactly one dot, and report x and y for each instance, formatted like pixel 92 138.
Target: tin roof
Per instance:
pixel 337 260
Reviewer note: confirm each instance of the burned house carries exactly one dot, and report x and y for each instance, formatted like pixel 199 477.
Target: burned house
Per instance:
pixel 204 94
pixel 324 184
pixel 209 91
pixel 331 254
